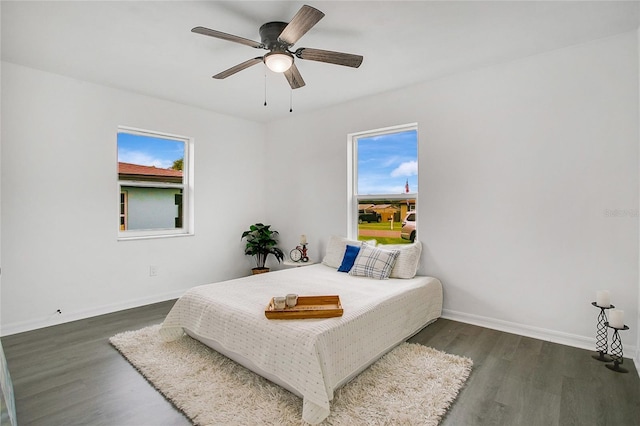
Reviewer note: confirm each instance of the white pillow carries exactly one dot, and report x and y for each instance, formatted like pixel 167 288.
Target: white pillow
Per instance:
pixel 374 262
pixel 407 263
pixel 336 248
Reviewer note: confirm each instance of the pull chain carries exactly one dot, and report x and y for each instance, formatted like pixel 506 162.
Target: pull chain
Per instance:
pixel 265 85
pixel 290 100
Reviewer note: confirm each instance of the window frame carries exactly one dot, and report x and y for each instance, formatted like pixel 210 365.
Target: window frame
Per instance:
pixel 124 209
pixel 353 198
pixel 187 187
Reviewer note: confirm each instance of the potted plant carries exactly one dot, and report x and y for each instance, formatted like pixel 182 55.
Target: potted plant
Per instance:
pixel 261 243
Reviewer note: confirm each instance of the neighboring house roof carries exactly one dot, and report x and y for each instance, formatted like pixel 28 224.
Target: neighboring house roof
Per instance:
pixel 365 206
pixel 128 171
pixel 384 207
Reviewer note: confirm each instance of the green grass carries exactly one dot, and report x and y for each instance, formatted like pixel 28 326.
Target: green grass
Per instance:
pixel 386 226
pixel 383 226
pixel 384 240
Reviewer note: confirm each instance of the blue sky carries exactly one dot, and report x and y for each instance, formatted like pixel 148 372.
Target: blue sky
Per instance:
pixel 148 151
pixel 386 162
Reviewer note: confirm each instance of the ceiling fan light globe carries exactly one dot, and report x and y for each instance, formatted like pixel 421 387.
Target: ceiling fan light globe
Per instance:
pixel 278 61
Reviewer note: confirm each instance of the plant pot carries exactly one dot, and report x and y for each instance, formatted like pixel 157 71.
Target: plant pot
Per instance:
pixel 255 271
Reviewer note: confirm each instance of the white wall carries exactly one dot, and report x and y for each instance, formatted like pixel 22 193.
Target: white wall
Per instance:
pixel 637 358
pixel 59 193
pixel 528 178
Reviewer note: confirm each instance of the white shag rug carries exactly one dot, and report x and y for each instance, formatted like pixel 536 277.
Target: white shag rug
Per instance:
pixel 411 385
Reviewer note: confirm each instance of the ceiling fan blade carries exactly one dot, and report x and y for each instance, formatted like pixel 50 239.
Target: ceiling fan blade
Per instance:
pixel 237 68
pixel 302 22
pixel 338 58
pixel 293 77
pixel 228 37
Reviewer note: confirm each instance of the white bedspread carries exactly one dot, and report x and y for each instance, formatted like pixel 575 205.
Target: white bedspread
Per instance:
pixel 310 356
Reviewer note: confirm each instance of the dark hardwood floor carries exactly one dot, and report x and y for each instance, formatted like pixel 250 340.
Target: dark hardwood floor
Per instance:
pixel 518 380
pixel 70 375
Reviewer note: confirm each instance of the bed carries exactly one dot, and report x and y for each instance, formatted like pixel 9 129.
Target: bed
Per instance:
pixel 309 357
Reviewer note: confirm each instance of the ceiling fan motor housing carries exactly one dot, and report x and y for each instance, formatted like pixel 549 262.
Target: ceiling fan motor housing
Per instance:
pixel 269 34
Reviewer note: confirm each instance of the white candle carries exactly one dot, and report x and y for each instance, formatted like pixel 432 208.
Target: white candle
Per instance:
pixel 303 239
pixel 616 318
pixel 603 299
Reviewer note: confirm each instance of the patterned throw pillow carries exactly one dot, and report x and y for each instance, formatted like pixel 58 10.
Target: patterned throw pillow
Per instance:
pixel 373 262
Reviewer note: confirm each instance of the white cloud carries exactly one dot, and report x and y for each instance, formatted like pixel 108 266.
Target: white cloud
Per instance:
pixel 409 168
pixel 142 158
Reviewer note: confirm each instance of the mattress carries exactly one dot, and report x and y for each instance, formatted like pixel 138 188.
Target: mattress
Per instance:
pixel 310 357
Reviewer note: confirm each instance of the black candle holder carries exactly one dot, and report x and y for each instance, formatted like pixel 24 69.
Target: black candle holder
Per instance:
pixel 616 351
pixel 305 256
pixel 601 335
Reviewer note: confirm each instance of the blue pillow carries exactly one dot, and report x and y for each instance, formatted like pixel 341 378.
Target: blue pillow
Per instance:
pixel 350 255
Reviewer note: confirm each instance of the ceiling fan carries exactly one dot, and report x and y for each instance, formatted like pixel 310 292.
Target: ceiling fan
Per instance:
pixel 278 37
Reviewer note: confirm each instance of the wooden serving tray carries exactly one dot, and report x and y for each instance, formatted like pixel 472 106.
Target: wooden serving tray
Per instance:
pixel 307 307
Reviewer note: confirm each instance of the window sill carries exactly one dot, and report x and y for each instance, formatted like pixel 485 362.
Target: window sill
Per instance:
pixel 154 237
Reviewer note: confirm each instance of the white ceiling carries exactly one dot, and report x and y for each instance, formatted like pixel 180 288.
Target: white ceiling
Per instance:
pixel 147 47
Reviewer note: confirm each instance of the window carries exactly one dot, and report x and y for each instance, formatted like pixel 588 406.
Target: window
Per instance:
pixel 155 182
pixel 383 184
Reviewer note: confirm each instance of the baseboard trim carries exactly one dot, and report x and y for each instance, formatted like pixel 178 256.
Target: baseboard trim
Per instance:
pixel 23 326
pixel 554 336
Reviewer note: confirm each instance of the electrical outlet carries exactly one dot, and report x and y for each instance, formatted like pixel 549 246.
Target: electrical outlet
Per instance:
pixel 153 271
